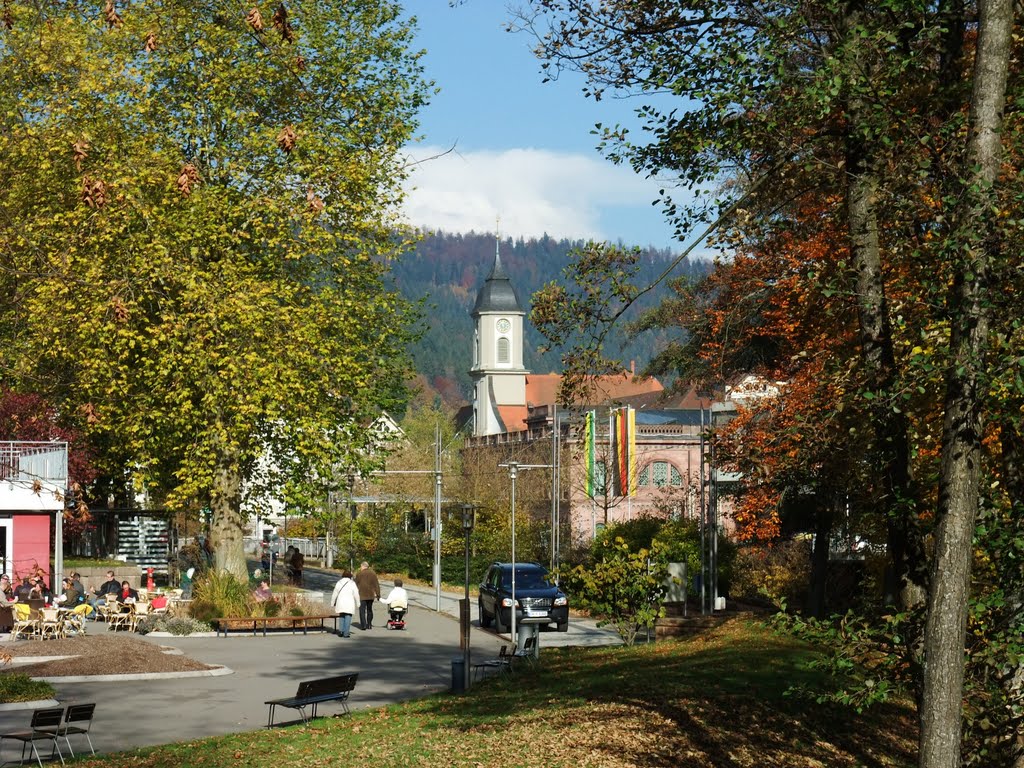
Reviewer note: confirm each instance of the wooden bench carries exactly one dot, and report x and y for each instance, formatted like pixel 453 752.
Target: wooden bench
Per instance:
pixel 313 692
pixel 316 621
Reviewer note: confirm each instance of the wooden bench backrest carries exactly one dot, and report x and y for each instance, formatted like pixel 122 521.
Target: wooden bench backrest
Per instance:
pixel 327 686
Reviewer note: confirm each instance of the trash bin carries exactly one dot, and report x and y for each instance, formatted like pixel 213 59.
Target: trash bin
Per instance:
pixel 458 675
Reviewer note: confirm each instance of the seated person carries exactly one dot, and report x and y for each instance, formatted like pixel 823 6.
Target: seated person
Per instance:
pixel 262 593
pixel 397 601
pixel 70 597
pixel 22 591
pixel 6 588
pixel 127 594
pixel 76 580
pixel 109 587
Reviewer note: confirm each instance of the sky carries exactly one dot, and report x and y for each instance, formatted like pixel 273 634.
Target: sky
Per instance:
pixel 524 154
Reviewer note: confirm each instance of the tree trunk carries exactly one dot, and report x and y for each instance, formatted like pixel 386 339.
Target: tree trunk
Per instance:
pixel 819 558
pixel 892 447
pixel 1013 481
pixel 975 233
pixel 227 526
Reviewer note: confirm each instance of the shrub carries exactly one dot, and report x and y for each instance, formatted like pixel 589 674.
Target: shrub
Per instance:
pixel 267 608
pixel 677 540
pixel 621 587
pixel 175 625
pixel 17 687
pixel 200 610
pixel 230 596
pixel 778 572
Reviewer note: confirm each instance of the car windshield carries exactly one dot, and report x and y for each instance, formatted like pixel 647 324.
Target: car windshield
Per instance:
pixel 527 578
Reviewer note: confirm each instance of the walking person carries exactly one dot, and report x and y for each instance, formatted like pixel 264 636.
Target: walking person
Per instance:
pixel 369 590
pixel 345 598
pixel 298 563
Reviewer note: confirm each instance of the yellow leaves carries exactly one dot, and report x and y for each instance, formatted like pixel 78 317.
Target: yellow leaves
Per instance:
pixel 187 179
pixel 94 192
pixel 110 14
pixel 287 138
pixel 255 19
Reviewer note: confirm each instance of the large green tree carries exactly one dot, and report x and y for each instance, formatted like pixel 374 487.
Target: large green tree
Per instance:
pixel 197 207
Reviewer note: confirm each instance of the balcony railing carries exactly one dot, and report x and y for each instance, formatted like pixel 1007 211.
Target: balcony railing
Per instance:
pixel 28 462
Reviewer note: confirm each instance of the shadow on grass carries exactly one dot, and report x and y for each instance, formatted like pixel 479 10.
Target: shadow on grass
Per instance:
pixel 716 700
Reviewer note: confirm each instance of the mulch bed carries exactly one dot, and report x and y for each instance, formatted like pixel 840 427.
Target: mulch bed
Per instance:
pixel 101 654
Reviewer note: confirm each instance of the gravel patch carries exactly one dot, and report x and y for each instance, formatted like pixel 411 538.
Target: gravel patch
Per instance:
pixel 107 654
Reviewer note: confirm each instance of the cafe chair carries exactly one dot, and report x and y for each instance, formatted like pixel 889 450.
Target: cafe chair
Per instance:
pixel 42 728
pixel 26 625
pixel 51 625
pixel 139 612
pixel 77 722
pixel 119 616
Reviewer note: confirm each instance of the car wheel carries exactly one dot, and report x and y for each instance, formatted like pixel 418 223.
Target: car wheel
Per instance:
pixel 485 620
pixel 499 625
pixel 563 627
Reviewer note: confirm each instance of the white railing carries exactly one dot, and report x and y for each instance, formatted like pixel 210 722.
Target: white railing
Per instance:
pixel 27 461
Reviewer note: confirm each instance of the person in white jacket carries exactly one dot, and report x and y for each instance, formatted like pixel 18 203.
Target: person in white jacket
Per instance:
pixel 345 600
pixel 397 601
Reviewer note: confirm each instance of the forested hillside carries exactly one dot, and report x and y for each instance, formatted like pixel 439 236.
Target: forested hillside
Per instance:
pixel 447 270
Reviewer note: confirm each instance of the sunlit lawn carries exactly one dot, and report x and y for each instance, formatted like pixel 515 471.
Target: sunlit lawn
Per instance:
pixel 714 701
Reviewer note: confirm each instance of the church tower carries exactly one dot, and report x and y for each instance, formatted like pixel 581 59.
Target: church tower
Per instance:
pixel 499 379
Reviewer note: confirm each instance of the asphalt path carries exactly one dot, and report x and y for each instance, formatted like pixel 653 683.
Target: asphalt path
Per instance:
pixel 393 666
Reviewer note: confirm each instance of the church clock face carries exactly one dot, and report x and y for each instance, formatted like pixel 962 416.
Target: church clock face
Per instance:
pixel 503 325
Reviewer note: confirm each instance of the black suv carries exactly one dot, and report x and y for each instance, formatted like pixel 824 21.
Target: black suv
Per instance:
pixel 538 600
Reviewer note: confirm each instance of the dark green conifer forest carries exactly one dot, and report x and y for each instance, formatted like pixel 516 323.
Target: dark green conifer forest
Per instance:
pixel 446 271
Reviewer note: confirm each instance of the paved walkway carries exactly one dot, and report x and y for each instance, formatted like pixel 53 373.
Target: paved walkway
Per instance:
pixel 393 666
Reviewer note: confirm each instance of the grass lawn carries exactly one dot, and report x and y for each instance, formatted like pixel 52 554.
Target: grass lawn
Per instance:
pixel 714 701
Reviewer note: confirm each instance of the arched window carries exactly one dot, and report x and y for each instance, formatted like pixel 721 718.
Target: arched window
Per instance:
pixel 659 474
pixel 504 350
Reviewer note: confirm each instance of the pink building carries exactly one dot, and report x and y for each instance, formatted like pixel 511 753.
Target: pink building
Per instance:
pixel 33 479
pixel 512 406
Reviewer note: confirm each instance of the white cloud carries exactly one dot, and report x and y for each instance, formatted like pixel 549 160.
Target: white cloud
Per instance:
pixel 533 191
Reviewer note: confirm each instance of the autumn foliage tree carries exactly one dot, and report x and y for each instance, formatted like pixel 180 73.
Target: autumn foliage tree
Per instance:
pixel 890 120
pixel 29 417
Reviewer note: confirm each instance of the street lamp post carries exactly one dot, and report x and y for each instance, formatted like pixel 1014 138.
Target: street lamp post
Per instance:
pixel 468 515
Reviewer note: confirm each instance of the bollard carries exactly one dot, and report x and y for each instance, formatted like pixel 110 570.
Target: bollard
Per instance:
pixel 458 675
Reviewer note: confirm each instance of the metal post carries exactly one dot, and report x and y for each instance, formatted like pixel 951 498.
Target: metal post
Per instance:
pixel 58 548
pixel 704 478
pixel 468 511
pixel 354 510
pixel 554 487
pixel 437 517
pixel 512 472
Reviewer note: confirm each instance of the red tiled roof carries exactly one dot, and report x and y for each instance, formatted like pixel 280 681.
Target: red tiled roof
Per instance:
pixel 513 417
pixel 542 389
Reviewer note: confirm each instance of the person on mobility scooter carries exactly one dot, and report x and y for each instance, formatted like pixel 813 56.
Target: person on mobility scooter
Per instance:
pixel 397 603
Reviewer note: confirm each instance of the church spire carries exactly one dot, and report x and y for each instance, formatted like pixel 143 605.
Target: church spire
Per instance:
pixel 497 294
